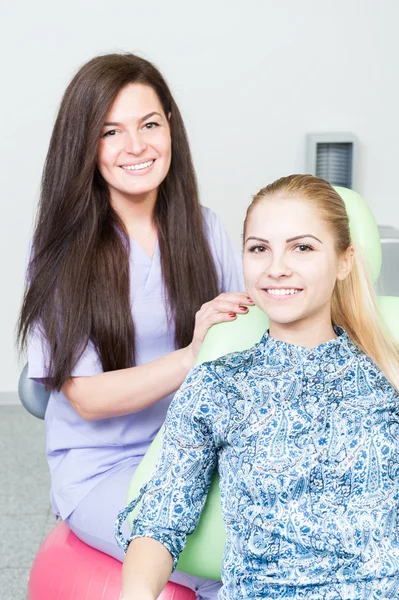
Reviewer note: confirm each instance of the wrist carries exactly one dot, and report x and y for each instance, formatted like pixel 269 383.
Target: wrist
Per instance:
pixel 188 358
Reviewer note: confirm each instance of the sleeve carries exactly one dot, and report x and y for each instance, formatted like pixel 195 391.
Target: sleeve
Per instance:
pixel 38 355
pixel 227 259
pixel 175 495
pixel 38 358
pixel 38 350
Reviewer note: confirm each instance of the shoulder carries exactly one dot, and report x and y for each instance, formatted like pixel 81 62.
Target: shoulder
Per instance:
pixel 236 365
pixel 211 220
pixel 215 234
pixel 195 399
pixel 226 258
pixel 214 376
pixel 214 228
pixel 368 377
pixel 207 391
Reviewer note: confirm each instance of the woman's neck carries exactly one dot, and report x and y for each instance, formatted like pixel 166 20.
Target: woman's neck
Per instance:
pixel 137 214
pixel 308 333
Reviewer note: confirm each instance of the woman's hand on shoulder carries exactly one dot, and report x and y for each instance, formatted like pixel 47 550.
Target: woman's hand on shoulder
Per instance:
pixel 224 307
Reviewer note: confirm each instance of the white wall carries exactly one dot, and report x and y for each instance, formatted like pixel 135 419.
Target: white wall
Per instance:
pixel 250 77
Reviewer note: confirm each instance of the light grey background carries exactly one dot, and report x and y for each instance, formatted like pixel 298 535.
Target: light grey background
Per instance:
pixel 251 78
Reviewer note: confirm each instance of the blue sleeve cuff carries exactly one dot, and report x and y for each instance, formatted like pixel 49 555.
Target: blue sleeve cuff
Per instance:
pixel 173 541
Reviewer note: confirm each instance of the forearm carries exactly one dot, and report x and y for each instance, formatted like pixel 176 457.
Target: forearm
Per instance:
pixel 146 570
pixel 126 391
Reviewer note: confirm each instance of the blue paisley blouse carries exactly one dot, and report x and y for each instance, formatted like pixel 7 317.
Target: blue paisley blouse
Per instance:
pixel 307 446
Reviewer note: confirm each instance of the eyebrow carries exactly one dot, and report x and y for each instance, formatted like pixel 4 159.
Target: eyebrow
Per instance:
pixel 141 120
pixel 297 237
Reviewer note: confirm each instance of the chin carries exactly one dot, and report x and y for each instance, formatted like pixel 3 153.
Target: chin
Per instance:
pixel 285 317
pixel 286 322
pixel 140 190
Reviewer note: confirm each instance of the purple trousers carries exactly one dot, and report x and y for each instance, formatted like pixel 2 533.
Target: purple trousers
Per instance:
pixel 93 522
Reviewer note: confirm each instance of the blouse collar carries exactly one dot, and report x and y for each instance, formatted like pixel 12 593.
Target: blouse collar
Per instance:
pixel 340 347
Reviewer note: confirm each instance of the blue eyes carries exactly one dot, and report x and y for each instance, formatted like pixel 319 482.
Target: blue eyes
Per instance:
pixel 300 248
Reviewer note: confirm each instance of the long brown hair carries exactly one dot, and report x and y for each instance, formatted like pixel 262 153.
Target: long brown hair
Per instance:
pixel 353 303
pixel 78 278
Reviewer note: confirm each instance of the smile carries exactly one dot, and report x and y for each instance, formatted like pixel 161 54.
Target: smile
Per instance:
pixel 138 167
pixel 282 291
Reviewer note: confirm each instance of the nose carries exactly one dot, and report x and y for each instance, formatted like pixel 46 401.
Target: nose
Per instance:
pixel 134 143
pixel 278 266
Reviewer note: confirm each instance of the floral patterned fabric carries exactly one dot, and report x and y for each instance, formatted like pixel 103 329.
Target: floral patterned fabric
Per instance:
pixel 307 446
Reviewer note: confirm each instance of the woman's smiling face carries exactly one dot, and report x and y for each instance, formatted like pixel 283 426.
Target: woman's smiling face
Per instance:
pixel 290 263
pixel 135 150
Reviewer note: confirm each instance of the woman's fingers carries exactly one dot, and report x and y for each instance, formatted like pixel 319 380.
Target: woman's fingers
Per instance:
pixel 232 298
pixel 226 303
pixel 205 321
pixel 224 307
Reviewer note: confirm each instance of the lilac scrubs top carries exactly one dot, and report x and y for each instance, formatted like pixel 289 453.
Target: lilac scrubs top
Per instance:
pixel 81 454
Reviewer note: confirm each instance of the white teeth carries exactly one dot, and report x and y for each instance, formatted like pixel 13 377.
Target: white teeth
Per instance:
pixel 282 292
pixel 143 165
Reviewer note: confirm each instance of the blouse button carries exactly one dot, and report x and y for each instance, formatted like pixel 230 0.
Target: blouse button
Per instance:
pixel 311 357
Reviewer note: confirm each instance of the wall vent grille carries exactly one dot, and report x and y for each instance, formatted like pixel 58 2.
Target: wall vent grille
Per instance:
pixel 331 156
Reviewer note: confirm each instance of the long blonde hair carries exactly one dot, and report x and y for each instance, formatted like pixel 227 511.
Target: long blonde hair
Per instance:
pixel 353 303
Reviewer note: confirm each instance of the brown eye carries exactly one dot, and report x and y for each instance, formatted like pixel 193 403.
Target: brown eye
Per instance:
pixel 151 125
pixel 303 247
pixel 259 249
pixel 110 133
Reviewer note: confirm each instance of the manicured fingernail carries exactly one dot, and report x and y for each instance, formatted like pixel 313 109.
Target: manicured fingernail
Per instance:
pixel 232 315
pixel 243 308
pixel 249 300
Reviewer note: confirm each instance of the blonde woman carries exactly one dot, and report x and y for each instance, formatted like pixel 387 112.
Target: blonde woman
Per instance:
pixel 304 426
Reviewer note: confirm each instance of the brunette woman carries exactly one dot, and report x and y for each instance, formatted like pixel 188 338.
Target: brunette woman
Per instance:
pixel 127 273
